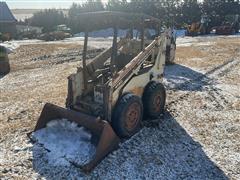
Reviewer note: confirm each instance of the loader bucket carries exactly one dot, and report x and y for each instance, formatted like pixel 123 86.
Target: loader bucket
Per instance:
pixel 107 139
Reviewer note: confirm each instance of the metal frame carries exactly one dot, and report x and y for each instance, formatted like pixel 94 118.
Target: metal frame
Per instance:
pixel 116 77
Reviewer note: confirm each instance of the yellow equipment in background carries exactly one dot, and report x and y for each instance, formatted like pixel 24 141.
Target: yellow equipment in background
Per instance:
pixel 199 28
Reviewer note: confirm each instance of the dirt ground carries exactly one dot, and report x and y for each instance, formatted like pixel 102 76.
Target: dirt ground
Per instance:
pixel 198 138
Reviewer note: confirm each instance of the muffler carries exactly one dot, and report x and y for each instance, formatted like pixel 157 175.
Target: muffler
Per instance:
pixel 107 140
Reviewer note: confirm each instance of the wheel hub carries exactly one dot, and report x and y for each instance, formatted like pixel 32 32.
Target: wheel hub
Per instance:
pixel 133 116
pixel 157 102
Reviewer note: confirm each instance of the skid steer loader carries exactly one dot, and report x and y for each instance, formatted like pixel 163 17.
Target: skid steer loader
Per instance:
pixel 109 95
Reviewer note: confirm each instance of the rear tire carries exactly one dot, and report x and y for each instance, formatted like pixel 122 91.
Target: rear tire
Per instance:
pixel 154 99
pixel 127 115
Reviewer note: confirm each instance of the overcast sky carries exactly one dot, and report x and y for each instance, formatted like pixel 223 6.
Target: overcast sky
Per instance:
pixel 39 4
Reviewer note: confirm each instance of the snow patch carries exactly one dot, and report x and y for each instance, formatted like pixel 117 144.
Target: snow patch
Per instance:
pixel 64 142
pixel 180 32
pixel 93 42
pixel 190 41
pixel 10 46
pixel 230 89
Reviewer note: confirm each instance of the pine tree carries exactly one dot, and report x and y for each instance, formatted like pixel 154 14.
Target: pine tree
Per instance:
pixel 117 5
pixel 219 9
pixel 191 11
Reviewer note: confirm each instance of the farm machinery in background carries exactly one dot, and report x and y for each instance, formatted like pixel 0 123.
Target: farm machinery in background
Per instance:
pixel 61 32
pixel 230 25
pixel 110 95
pixel 5 37
pixel 199 28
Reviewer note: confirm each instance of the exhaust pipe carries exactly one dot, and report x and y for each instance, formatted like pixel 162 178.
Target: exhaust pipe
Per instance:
pixel 107 138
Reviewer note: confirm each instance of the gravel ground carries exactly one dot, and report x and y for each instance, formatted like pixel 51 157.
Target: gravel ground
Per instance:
pixel 198 137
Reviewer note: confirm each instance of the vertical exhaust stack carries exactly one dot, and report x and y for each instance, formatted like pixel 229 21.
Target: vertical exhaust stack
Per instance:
pixel 107 138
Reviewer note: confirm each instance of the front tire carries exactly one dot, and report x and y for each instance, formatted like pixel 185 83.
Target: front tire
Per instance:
pixel 154 99
pixel 127 115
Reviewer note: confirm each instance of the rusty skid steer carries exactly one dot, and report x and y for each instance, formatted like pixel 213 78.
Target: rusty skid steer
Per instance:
pixel 109 95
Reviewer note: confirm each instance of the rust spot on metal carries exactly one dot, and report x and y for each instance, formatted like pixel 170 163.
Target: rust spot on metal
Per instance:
pixel 137 91
pixel 157 102
pixel 133 116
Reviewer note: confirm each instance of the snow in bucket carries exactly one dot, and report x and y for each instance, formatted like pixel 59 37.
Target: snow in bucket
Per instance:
pixel 64 143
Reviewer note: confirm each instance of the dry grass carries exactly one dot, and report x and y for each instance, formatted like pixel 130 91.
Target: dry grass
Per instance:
pixel 189 52
pixel 209 56
pixel 22 58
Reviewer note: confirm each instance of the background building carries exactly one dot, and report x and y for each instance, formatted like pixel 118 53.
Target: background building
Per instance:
pixel 7 20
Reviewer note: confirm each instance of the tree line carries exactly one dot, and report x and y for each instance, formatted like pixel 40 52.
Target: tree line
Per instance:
pixel 177 12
